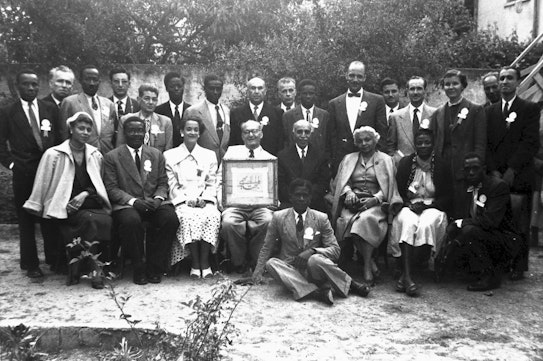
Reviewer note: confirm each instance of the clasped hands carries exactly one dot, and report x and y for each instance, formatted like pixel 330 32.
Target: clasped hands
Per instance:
pixel 508 176
pixel 76 202
pixel 196 203
pixel 418 207
pixel 365 203
pixel 147 204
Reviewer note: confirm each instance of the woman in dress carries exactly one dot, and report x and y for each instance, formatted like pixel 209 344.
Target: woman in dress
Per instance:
pixel 365 196
pixel 425 184
pixel 192 174
pixel 459 127
pixel 69 187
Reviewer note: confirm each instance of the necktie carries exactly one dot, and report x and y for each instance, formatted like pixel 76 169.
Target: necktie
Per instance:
pixel 308 116
pixel 120 111
pixel 255 112
pixel 303 155
pixel 220 123
pixel 475 191
pixel 176 115
pixel 94 104
pixel 147 129
pixel 288 107
pixel 34 125
pixel 356 95
pixel 506 110
pixel 300 224
pixel 251 153
pixel 137 159
pixel 415 121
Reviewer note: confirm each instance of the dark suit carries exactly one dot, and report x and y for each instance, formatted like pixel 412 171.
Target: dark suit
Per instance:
pixel 25 154
pixel 315 169
pixel 123 182
pixel 339 130
pixel 272 139
pixel 319 137
pixel 49 99
pixel 131 106
pixel 164 109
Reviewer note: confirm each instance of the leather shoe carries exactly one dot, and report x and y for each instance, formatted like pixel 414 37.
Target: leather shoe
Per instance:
pixel 325 295
pixel 516 275
pixel 412 290
pixel 139 278
pixel 400 286
pixel 34 273
pixel 360 289
pixel 154 278
pixel 484 284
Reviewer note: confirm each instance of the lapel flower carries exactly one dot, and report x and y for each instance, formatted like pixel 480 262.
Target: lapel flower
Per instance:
pixel 363 107
pixel 308 233
pixel 315 123
pixel 482 198
pixel 414 187
pixel 199 172
pixel 45 127
pixel 155 129
pixel 147 165
pixel 265 120
pixel 463 114
pixel 425 124
pixel 511 118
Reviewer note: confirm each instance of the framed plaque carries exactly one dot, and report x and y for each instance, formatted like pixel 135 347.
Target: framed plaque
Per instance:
pixel 249 183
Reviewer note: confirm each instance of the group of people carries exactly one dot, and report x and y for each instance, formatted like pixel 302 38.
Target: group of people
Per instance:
pixel 362 171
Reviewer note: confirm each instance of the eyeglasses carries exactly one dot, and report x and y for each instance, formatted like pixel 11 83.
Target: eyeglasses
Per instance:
pixel 253 132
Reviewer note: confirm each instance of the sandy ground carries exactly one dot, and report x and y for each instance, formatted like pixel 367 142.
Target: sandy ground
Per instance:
pixel 445 323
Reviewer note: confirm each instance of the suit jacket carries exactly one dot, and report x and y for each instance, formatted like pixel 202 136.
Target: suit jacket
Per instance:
pixel 466 135
pixel 132 105
pixel 123 181
pixel 161 133
pixel 400 132
pixel 315 169
pixel 15 129
pixel 79 103
pixel 272 139
pixel 339 131
pixel 516 146
pixel 164 109
pixel 49 99
pixel 441 176
pixel 318 234
pixel 209 138
pixel 319 137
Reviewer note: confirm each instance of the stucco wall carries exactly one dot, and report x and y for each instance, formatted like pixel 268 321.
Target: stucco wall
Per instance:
pixel 508 17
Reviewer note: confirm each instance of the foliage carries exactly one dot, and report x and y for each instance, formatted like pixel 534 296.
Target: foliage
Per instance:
pixel 125 352
pixel 19 344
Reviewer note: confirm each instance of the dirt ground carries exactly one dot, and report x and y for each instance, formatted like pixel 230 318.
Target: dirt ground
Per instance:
pixel 445 323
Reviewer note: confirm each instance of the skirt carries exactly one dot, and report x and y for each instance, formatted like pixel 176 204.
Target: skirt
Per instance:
pixel 371 225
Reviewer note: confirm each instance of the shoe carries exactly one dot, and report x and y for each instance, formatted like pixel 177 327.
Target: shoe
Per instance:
pixel 400 286
pixel 97 283
pixel 516 275
pixel 484 284
pixel 139 278
pixel 412 290
pixel 325 295
pixel 154 278
pixel 360 289
pixel 195 273
pixel 34 273
pixel 207 273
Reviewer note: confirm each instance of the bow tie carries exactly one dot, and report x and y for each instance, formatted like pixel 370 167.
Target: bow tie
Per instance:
pixel 471 189
pixel 357 95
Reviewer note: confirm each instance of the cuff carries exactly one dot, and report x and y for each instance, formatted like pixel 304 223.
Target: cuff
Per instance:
pixel 131 202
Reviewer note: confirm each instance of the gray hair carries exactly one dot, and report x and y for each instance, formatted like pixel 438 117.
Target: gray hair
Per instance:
pixel 366 129
pixel 62 68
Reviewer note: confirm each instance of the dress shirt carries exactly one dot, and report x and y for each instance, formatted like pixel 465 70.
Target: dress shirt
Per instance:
pixel 57 102
pixel 179 108
pixel 213 112
pixel 353 105
pixel 259 108
pixel 238 152
pixel 284 107
pixel 412 110
pixel 296 214
pixel 26 108
pixel 96 115
pixel 509 103
pixel 123 103
pixel 458 102
pixel 304 112
pixel 299 150
pixel 391 110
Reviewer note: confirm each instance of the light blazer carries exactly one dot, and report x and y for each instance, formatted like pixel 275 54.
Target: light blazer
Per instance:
pixel 209 138
pixel 400 132
pixel 123 181
pixel 339 131
pixel 282 235
pixel 160 136
pixel 319 136
pixel 467 135
pixel 205 186
pixel 514 147
pixel 55 179
pixel 79 103
pixel 385 173
pixel 15 129
pixel 165 110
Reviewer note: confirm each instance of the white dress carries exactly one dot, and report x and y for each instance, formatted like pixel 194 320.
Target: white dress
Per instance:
pixel 193 175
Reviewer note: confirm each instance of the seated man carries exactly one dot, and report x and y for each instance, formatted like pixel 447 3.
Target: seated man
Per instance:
pixel 236 222
pixel 303 160
pixel 137 185
pixel 308 251
pixel 485 235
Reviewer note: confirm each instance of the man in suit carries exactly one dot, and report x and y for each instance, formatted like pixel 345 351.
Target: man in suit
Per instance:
pixel 317 117
pixel 405 122
pixel 137 186
pixel 485 234
pixel 303 160
pixel 158 128
pixel 257 109
pixel 350 111
pixel 175 107
pixel 308 251
pixel 491 87
pixel 512 143
pixel 100 109
pixel 30 126
pixel 286 89
pixel 244 229
pixel 214 115
pixel 61 81
pixel 120 83
pixel 390 88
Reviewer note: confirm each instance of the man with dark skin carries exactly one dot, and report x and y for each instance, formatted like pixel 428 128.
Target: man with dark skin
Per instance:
pixel 175 107
pixel 492 88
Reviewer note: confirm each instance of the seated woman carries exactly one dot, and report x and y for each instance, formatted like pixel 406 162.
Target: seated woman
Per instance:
pixel 425 184
pixel 365 196
pixel 192 178
pixel 69 187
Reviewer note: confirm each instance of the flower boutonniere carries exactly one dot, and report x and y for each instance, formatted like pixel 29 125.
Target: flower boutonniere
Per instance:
pixel 510 119
pixel 155 129
pixel 315 123
pixel 147 165
pixel 265 120
pixel 425 124
pixel 462 115
pixel 363 107
pixel 308 233
pixel 482 200
pixel 45 127
pixel 199 172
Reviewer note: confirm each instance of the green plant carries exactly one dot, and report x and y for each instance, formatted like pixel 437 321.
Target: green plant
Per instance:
pixel 19 344
pixel 125 353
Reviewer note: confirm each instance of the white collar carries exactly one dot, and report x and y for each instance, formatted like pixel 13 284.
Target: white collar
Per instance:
pixel 133 150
